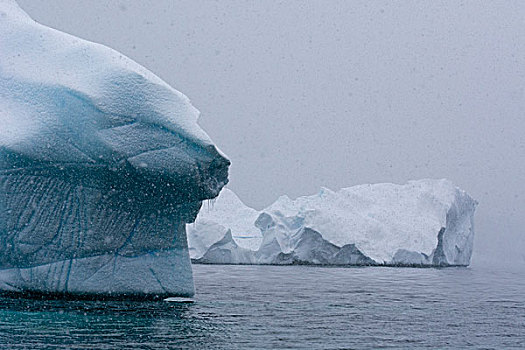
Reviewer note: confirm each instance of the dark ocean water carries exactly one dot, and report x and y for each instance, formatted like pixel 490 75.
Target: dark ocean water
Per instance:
pixel 276 307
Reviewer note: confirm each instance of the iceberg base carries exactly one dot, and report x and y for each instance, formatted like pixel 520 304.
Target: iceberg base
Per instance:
pixel 155 275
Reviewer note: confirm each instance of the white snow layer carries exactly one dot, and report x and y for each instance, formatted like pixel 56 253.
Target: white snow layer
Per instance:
pixel 425 222
pixel 37 61
pixel 101 166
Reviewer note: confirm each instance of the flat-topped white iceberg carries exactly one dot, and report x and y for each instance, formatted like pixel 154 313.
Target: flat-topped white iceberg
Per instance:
pixel 425 222
pixel 102 164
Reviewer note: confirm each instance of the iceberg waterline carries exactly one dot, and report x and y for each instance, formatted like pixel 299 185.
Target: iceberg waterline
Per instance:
pixel 102 164
pixel 422 223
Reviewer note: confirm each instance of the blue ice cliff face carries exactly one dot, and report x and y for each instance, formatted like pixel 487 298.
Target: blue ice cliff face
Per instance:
pixel 102 164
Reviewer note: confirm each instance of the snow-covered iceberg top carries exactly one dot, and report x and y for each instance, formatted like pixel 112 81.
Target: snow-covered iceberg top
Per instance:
pixel 73 102
pixel 101 166
pixel 425 222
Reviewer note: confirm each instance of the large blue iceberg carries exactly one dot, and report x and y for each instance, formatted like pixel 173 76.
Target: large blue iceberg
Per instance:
pixel 102 164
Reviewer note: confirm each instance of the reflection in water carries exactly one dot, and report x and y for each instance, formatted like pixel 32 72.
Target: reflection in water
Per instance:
pixel 294 306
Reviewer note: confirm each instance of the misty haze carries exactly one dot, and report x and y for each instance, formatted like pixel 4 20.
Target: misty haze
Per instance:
pixel 250 175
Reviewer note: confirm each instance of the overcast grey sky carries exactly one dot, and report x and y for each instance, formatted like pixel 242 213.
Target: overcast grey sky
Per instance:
pixel 337 93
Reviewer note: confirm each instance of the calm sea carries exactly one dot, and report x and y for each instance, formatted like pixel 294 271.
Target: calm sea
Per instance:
pixel 290 307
